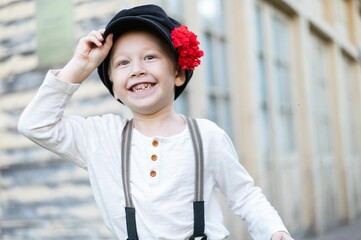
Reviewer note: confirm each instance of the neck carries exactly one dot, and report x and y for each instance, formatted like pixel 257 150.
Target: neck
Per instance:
pixel 166 123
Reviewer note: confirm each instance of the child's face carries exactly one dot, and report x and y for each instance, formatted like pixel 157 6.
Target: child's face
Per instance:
pixel 143 72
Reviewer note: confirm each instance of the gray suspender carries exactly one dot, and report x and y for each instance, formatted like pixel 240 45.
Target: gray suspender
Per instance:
pixel 126 145
pixel 198 204
pixel 198 153
pixel 129 207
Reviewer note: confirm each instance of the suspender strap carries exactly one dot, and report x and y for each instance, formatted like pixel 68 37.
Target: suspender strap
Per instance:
pixel 198 214
pixel 126 143
pixel 131 224
pixel 198 204
pixel 198 153
pixel 129 207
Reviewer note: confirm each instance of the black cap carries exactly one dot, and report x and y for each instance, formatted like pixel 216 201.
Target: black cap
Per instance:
pixel 150 17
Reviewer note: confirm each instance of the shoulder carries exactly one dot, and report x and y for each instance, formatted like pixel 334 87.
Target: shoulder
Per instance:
pixel 207 124
pixel 214 136
pixel 210 130
pixel 107 122
pixel 112 118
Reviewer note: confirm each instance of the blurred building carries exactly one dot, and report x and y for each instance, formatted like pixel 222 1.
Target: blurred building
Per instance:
pixel 282 77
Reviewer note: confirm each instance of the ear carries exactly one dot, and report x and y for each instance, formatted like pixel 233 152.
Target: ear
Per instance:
pixel 180 77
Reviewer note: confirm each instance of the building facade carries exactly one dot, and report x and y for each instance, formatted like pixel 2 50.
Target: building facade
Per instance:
pixel 282 77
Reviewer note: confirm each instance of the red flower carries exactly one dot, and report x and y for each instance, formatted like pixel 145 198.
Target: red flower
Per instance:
pixel 186 43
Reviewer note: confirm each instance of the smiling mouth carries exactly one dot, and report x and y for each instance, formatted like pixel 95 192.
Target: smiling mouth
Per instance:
pixel 142 87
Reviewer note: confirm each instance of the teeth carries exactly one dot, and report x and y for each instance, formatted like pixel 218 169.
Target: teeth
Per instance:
pixel 141 87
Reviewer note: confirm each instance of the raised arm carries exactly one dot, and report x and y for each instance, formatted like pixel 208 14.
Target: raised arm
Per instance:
pixel 42 120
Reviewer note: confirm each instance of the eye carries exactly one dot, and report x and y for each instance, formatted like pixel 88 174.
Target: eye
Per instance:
pixel 123 63
pixel 149 57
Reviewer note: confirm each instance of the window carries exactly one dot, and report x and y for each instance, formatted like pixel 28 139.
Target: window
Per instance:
pixel 274 80
pixel 351 106
pixel 282 83
pixel 262 83
pixel 320 96
pixel 215 61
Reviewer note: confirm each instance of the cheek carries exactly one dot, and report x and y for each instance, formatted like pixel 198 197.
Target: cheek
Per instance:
pixel 117 78
pixel 118 87
pixel 119 92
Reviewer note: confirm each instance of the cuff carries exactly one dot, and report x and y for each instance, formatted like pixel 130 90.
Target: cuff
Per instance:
pixel 52 81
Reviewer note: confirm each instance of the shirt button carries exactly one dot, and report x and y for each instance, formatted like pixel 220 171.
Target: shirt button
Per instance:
pixel 154 157
pixel 155 143
pixel 153 173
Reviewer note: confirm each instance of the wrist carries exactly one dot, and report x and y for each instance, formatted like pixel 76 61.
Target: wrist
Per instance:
pixel 75 71
pixel 281 235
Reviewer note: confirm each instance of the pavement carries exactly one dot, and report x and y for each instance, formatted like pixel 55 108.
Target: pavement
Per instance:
pixel 347 232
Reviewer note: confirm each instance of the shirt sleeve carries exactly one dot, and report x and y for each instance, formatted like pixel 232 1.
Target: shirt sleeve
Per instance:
pixel 43 122
pixel 244 198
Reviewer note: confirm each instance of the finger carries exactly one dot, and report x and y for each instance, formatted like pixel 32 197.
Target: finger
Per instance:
pixel 95 37
pixel 101 30
pixel 109 39
pixel 98 35
pixel 108 42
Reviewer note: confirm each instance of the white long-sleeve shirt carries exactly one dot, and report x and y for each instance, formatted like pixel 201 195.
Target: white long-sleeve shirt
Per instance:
pixel 163 202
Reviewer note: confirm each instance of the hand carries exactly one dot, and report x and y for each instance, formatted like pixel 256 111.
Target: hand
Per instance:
pixel 281 236
pixel 91 50
pixel 88 55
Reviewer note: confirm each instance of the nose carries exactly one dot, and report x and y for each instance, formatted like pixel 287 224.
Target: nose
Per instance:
pixel 137 69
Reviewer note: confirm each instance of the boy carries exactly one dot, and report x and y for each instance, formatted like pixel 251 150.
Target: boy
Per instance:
pixel 145 59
